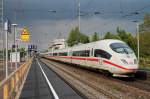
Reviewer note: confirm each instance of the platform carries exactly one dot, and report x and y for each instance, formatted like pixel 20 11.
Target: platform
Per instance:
pixel 37 87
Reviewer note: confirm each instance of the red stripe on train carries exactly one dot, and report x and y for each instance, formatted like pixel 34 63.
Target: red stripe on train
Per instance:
pixel 96 60
pixel 110 63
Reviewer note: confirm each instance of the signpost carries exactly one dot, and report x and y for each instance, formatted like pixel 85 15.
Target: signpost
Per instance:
pixel 25 36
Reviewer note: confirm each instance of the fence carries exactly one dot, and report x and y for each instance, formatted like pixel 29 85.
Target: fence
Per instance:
pixel 11 86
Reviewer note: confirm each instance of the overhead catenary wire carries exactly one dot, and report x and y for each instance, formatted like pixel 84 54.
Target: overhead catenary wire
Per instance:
pixel 137 11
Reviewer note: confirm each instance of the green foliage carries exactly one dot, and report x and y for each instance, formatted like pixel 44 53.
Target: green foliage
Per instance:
pixel 122 34
pixel 22 52
pixel 145 44
pixel 147 19
pixel 145 27
pixel 76 37
pixel 95 37
pixel 132 42
pixel 83 38
pixel 109 35
pixel 72 39
pixel 145 37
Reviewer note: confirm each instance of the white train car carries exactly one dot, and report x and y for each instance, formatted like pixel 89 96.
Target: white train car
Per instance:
pixel 113 56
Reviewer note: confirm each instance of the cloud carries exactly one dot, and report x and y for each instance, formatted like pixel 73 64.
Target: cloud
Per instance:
pixel 45 27
pixel 43 32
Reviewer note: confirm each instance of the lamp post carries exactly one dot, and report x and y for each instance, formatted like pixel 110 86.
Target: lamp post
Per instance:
pixel 15 26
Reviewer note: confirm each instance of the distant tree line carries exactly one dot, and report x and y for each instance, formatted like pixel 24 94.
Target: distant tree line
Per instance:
pixel 75 37
pixel 145 37
pixel 21 50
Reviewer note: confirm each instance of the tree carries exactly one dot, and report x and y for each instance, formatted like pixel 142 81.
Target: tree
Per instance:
pixel 147 19
pixel 22 52
pixel 122 34
pixel 84 38
pixel 72 39
pixel 145 37
pixel 145 27
pixel 95 37
pixel 145 44
pixel 76 37
pixel 109 35
pixel 132 42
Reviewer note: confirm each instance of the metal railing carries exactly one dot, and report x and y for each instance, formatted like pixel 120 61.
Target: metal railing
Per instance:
pixel 12 85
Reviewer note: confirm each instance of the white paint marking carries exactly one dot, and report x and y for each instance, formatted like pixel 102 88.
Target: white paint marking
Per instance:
pixel 49 84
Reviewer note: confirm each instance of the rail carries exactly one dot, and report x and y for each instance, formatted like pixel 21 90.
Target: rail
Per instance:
pixel 12 85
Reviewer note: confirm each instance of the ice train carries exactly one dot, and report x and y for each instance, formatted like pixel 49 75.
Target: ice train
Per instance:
pixel 112 56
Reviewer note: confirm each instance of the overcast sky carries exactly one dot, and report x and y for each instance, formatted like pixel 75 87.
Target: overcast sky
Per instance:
pixel 45 26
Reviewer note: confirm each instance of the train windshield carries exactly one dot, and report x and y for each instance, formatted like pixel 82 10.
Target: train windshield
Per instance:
pixel 121 48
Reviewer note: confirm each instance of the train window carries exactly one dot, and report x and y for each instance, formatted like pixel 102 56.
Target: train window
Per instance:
pixel 121 48
pixel 74 53
pixel 63 54
pixel 102 54
pixel 87 53
pixel 54 54
pixel 84 53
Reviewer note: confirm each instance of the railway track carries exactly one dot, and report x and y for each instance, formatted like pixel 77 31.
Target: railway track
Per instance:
pixel 90 84
pixel 85 82
pixel 140 83
pixel 134 82
pixel 95 80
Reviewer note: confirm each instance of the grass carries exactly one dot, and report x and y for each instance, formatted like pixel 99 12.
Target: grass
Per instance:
pixel 145 66
pixel 145 63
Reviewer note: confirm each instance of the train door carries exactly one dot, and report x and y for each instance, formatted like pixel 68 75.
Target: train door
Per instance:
pixel 70 56
pixel 91 61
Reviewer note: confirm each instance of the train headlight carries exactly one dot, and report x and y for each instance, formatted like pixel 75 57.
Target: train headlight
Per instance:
pixel 124 61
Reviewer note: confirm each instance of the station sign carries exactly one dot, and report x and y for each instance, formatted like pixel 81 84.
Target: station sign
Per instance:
pixel 25 36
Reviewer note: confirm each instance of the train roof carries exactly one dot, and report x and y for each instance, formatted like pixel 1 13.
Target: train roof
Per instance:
pixel 104 42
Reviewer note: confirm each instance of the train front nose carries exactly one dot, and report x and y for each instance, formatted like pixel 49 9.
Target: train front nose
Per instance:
pixel 129 64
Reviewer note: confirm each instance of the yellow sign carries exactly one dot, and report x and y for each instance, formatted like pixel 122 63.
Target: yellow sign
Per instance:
pixel 25 36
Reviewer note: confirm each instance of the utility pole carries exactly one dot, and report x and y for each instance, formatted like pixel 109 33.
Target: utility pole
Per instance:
pixel 79 15
pixel 3 35
pixel 138 43
pixel 6 46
